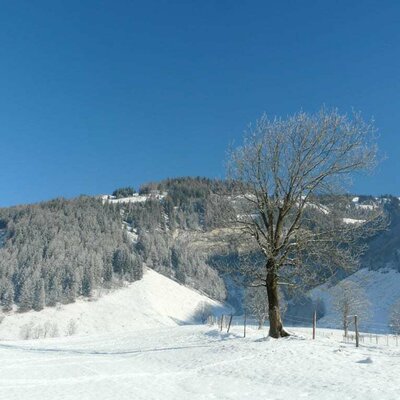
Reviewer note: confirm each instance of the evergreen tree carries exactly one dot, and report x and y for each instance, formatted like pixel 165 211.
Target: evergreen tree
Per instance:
pixel 7 297
pixel 39 299
pixel 87 283
pixel 26 297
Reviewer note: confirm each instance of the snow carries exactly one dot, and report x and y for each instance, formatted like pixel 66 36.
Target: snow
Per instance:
pixel 353 221
pixel 197 362
pixel 366 206
pixel 130 231
pixel 382 290
pixel 151 302
pixel 135 198
pixel 138 342
pixel 325 210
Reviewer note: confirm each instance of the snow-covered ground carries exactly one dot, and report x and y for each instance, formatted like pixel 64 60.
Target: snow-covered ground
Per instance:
pixel 382 289
pixel 137 343
pixel 196 362
pixel 154 301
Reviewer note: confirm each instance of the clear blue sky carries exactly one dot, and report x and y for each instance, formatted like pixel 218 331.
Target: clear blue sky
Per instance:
pixel 100 94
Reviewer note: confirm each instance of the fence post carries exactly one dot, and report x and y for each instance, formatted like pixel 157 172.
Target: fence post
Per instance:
pixel 222 321
pixel 229 325
pixel 314 324
pixel 356 329
pixel 244 324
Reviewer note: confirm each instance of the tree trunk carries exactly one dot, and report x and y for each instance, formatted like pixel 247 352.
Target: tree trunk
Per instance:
pixel 276 329
pixel 345 319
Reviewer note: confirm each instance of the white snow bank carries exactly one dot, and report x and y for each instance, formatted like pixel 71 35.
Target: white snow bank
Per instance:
pixel 151 302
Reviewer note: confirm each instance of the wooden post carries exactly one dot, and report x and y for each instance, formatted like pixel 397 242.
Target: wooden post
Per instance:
pixel 244 324
pixel 229 325
pixel 314 324
pixel 356 329
pixel 222 321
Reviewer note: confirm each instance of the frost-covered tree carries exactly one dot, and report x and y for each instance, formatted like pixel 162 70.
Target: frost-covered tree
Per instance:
pixel 39 297
pixel 394 318
pixel 26 296
pixel 55 251
pixel 281 173
pixel 123 192
pixel 7 296
pixel 350 299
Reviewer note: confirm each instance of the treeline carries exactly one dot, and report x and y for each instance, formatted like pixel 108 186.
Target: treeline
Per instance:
pixel 123 192
pixel 58 250
pixel 190 203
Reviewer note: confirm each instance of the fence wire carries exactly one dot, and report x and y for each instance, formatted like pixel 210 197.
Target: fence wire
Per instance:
pixel 379 337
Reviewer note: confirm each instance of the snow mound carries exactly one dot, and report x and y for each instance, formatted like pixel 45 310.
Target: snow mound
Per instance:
pixel 154 301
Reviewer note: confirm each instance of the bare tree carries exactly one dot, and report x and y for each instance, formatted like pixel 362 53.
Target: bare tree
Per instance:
pixel 394 318
pixel 350 299
pixel 284 177
pixel 256 306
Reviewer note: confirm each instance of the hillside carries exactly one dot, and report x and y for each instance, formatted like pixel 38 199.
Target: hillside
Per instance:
pixel 382 289
pixel 153 302
pixel 55 252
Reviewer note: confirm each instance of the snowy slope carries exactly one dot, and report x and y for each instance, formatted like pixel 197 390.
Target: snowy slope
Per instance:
pixel 382 288
pixel 151 302
pixel 195 362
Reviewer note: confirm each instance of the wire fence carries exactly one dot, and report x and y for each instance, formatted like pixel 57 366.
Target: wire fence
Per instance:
pixel 240 324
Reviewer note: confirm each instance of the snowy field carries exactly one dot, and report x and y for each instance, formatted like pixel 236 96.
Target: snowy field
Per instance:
pixel 196 362
pixel 140 342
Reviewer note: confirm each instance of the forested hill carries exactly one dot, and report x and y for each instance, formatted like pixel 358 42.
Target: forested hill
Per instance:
pixel 55 251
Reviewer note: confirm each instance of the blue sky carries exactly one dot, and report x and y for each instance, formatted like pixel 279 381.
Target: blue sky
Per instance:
pixel 100 94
